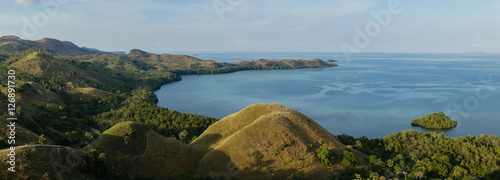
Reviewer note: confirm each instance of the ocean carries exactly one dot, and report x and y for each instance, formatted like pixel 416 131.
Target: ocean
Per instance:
pixel 370 94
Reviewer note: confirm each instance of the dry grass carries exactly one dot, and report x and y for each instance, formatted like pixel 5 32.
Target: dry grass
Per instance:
pixel 286 138
pixel 147 152
pixel 260 141
pixel 88 93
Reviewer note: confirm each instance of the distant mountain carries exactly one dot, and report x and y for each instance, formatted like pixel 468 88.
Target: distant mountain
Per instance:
pixel 110 52
pixel 14 43
pixel 476 52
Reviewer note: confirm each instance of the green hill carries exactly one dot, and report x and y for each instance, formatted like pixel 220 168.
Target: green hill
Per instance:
pixel 14 43
pixel 52 162
pixel 133 150
pixel 261 141
pixel 183 64
pixel 12 47
pixel 435 121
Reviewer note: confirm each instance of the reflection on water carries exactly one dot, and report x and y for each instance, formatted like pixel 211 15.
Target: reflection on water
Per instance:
pixel 373 95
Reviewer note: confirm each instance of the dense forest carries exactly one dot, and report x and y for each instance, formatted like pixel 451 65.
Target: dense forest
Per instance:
pixel 427 156
pixel 435 121
pixel 141 107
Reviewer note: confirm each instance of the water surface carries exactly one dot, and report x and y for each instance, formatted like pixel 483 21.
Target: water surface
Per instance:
pixel 373 94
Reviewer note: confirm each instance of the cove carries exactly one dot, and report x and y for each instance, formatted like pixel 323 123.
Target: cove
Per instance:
pixel 374 94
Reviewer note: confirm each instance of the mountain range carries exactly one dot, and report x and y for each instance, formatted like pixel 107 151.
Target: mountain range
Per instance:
pixel 51 45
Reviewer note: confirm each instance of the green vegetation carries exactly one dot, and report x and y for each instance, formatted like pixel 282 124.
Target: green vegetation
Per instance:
pixel 325 155
pixel 257 156
pixel 297 175
pixel 435 121
pixel 70 100
pixel 349 160
pixel 430 156
pixel 12 47
pixel 53 162
pixel 141 107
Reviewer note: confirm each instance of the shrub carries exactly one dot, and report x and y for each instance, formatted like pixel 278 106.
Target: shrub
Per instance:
pixel 325 155
pixel 349 160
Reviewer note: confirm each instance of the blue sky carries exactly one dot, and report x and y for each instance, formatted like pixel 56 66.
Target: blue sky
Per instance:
pixel 454 26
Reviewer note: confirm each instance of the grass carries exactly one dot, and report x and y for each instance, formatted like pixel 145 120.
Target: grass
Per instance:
pixel 55 162
pixel 242 145
pixel 12 46
pixel 145 148
pixel 89 92
pixel 245 136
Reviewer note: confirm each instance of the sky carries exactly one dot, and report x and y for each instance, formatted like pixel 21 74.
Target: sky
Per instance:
pixel 164 26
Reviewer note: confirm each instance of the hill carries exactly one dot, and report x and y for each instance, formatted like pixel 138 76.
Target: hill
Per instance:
pixel 52 162
pixel 133 150
pixel 183 64
pixel 435 121
pixel 14 43
pixel 261 141
pixel 267 141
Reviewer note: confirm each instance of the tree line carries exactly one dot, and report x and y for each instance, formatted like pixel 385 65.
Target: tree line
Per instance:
pixel 428 156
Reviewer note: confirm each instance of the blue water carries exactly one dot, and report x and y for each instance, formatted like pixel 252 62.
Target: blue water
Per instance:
pixel 372 94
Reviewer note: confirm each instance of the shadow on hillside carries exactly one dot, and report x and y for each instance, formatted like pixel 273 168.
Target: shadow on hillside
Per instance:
pixel 494 176
pixel 62 163
pixel 219 165
pixel 174 160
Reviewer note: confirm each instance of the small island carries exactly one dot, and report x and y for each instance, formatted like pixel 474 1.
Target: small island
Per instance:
pixel 435 121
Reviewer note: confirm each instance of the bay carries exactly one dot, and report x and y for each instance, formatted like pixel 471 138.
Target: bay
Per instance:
pixel 372 94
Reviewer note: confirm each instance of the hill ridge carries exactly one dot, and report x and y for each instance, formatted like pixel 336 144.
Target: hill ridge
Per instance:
pixel 51 45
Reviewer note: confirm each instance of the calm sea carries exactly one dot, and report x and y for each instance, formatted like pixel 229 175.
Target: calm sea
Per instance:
pixel 372 94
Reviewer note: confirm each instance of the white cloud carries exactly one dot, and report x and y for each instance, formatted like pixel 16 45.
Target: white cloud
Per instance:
pixel 27 2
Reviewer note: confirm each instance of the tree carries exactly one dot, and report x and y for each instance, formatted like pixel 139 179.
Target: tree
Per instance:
pixel 349 160
pixel 419 175
pixel 126 139
pixel 183 135
pixel 325 155
pixel 72 136
pixel 390 163
pixel 42 139
pixel 102 156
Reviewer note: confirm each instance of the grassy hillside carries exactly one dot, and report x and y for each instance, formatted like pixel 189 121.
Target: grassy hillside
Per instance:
pixel 23 135
pixel 268 141
pixel 52 162
pixel 12 47
pixel 133 150
pixel 261 141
